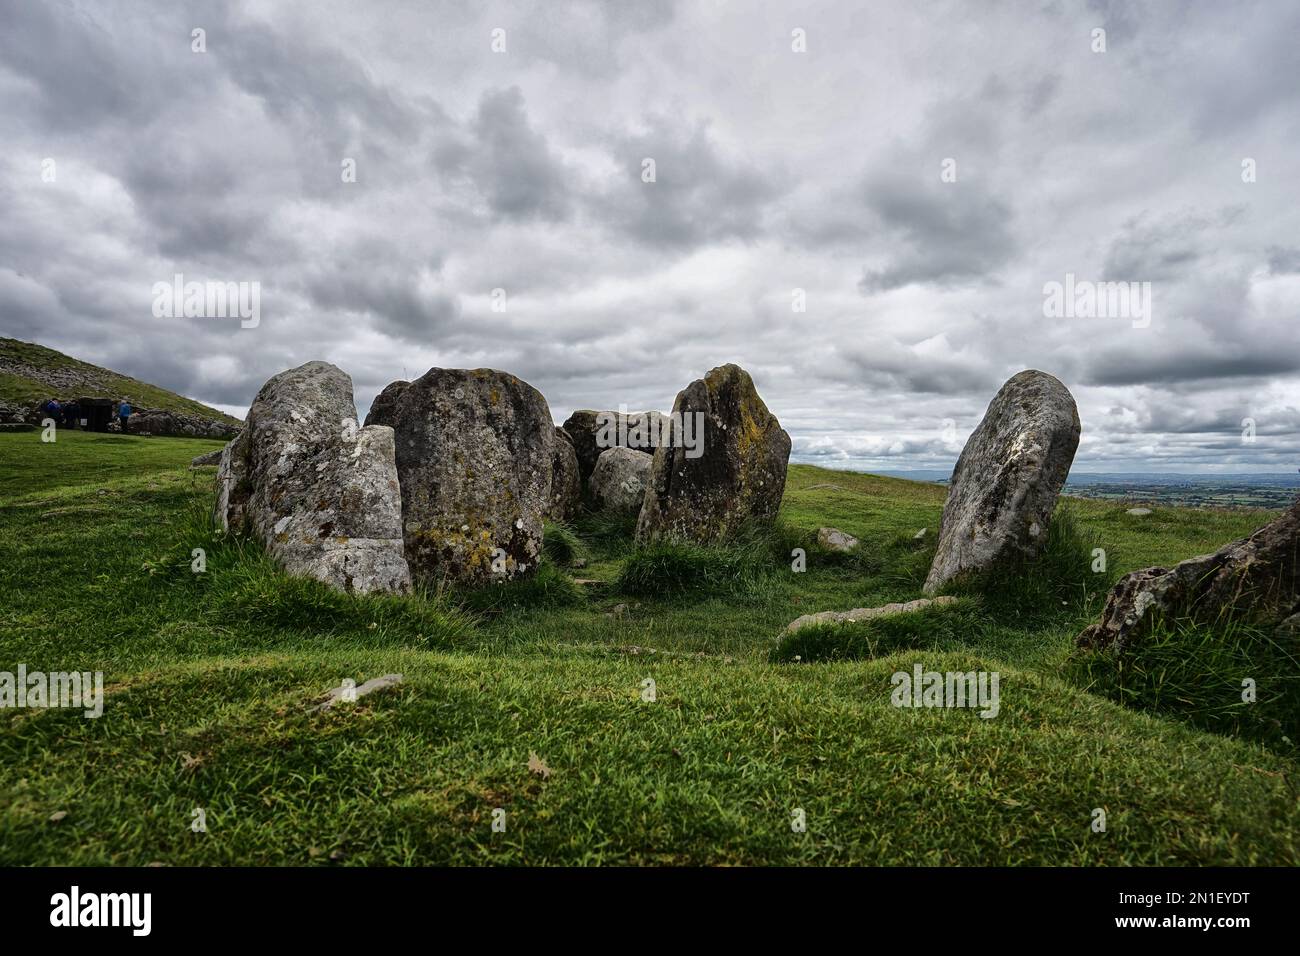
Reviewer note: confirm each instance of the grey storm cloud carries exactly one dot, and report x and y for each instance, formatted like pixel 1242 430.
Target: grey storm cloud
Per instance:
pixel 775 172
pixel 699 194
pixel 511 163
pixel 1148 250
pixel 1283 261
pixel 940 235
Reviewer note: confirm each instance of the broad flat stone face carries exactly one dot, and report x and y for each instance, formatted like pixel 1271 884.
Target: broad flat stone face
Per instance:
pixel 619 479
pixel 566 484
pixel 474 451
pixel 740 475
pixel 1007 479
pixel 1255 578
pixel 319 492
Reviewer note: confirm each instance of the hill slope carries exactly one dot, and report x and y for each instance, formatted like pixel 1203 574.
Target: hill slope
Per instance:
pixel 210 678
pixel 30 374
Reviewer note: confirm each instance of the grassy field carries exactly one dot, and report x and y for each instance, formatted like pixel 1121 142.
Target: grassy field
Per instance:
pixel 530 698
pixel 101 383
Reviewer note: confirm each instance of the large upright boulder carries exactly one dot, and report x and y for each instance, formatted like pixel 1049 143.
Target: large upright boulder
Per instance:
pixel 566 482
pixel 735 471
pixel 1255 579
pixel 381 407
pixel 594 432
pixel 474 459
pixel 320 493
pixel 1007 479
pixel 619 480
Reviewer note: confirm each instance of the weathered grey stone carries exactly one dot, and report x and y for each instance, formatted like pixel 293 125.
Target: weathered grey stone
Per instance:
pixel 581 428
pixel 381 407
pixel 833 539
pixel 619 479
pixel 566 485
pixel 1139 512
pixel 739 474
pixel 1007 479
pixel 474 459
pixel 1256 579
pixel 319 492
pixel 179 425
pixel 594 432
pixel 865 613
pixel 211 458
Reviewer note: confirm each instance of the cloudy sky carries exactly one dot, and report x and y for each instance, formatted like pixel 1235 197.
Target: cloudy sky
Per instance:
pixel 776 170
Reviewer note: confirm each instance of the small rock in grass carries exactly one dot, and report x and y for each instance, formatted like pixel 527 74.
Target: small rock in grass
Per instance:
pixel 864 613
pixel 1138 511
pixel 345 692
pixel 833 539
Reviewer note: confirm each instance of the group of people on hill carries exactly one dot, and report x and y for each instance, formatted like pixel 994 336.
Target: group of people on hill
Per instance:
pixel 69 414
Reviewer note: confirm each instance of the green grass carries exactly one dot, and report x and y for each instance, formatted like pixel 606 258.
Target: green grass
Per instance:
pixel 1198 673
pixel 211 679
pixel 102 383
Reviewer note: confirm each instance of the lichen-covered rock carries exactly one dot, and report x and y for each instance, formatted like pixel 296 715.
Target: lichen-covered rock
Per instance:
pixel 1007 479
pixel 319 492
pixel 1255 579
pixel 474 460
pixel 594 432
pixel 382 406
pixel 735 473
pixel 566 485
pixel 619 479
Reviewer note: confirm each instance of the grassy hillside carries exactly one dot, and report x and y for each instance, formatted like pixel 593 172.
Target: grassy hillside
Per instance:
pixel 30 374
pixel 212 678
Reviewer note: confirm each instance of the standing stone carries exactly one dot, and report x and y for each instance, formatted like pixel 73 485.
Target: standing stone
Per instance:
pixel 581 428
pixel 566 485
pixel 381 407
pixel 474 459
pixel 1007 478
pixel 319 492
pixel 619 479
pixel 734 474
pixel 594 432
pixel 1255 578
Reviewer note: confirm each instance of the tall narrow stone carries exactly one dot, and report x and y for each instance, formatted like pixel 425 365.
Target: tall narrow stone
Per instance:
pixel 1007 479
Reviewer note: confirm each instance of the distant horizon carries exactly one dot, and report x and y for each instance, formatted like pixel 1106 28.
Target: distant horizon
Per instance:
pixel 1078 473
